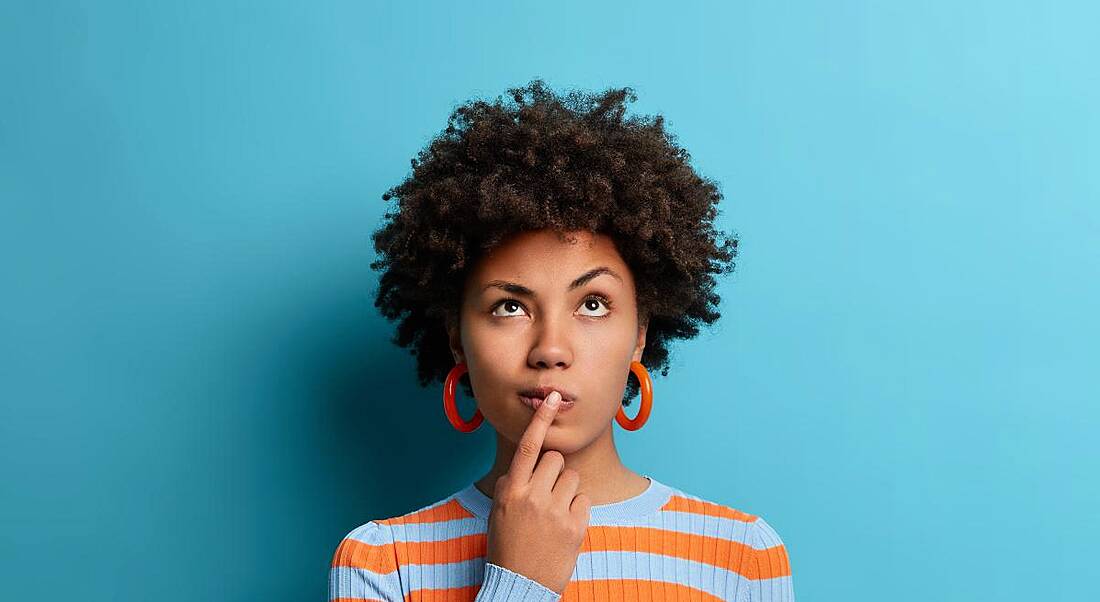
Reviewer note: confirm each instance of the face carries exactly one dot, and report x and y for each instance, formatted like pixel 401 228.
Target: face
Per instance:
pixel 539 310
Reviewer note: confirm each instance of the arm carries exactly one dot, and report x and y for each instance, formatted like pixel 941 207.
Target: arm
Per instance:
pixel 364 567
pixel 502 584
pixel 771 567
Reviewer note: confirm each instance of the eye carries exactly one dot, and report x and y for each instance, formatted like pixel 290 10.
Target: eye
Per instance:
pixel 591 300
pixel 508 303
pixel 596 300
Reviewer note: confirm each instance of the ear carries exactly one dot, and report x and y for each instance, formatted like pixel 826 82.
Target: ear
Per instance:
pixel 454 337
pixel 639 346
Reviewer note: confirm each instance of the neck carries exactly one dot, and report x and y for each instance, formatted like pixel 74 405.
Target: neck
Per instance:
pixel 603 477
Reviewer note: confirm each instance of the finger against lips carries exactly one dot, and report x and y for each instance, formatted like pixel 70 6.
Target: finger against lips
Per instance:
pixel 530 444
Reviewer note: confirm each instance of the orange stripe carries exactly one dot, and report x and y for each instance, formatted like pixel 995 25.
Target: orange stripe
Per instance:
pixel 451 594
pixel 716 551
pixel 451 510
pixel 610 590
pixel 385 558
pixel 723 553
pixel 354 553
pixel 455 549
pixel 679 503
pixel 633 590
pixel 772 562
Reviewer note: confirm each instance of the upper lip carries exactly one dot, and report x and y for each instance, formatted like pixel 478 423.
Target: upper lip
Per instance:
pixel 545 390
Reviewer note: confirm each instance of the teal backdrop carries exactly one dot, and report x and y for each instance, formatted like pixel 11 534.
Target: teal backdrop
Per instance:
pixel 199 399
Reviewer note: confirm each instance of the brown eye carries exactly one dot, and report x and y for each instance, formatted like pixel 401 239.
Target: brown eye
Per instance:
pixel 593 303
pixel 509 305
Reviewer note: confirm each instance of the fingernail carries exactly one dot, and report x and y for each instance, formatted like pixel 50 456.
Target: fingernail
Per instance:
pixel 553 399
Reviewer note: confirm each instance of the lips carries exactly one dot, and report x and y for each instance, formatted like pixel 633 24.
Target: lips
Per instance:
pixel 544 390
pixel 534 397
pixel 535 402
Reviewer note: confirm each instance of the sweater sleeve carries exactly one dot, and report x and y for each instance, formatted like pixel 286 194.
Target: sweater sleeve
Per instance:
pixel 771 567
pixel 365 566
pixel 501 584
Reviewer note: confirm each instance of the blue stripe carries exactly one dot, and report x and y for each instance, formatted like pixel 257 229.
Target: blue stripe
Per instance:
pixel 672 521
pixel 656 567
pixel 445 574
pixel 354 582
pixel 776 589
pixel 439 531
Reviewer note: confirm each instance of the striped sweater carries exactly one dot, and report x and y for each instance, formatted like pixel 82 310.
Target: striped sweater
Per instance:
pixel 662 544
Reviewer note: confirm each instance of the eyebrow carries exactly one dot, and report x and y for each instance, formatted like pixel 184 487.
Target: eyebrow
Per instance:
pixel 519 289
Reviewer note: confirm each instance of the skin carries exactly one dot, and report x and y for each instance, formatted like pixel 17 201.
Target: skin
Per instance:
pixel 562 337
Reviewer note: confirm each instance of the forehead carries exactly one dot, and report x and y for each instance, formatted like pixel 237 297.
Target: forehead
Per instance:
pixel 545 255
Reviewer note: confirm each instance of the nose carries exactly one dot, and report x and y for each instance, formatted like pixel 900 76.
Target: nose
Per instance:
pixel 551 347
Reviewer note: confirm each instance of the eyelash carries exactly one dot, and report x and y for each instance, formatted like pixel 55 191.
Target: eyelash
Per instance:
pixel 601 298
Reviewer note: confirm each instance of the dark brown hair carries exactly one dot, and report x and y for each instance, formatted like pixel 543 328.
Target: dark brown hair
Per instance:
pixel 544 160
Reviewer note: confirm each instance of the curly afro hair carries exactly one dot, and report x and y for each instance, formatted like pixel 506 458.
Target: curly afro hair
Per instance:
pixel 543 160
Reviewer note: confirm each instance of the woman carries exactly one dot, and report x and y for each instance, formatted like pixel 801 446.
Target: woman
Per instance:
pixel 543 252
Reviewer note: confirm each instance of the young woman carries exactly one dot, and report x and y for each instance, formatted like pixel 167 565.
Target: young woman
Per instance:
pixel 545 251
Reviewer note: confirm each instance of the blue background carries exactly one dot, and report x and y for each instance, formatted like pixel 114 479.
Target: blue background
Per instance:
pixel 199 400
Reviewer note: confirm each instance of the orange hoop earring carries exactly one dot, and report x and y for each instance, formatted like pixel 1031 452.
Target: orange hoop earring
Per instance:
pixel 449 406
pixel 647 400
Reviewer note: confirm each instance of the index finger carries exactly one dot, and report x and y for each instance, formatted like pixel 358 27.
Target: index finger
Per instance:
pixel 530 444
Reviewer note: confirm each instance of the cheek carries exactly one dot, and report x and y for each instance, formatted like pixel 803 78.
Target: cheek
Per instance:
pixel 491 348
pixel 607 344
pixel 490 355
pixel 607 361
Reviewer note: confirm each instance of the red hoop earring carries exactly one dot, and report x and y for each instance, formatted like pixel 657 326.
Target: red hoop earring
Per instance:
pixel 647 400
pixel 449 406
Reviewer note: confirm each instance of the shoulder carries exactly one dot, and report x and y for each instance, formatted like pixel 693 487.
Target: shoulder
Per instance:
pixel 756 550
pixel 369 560
pixel 682 501
pixel 364 565
pixel 377 537
pixel 369 547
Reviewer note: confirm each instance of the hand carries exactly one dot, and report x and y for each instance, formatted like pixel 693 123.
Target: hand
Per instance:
pixel 538 520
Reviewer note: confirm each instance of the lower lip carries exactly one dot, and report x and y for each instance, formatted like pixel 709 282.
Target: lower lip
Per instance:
pixel 535 402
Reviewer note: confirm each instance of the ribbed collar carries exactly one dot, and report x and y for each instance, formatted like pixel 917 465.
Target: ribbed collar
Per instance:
pixel 653 498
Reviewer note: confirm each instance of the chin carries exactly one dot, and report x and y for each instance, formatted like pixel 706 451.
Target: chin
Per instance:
pixel 562 440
